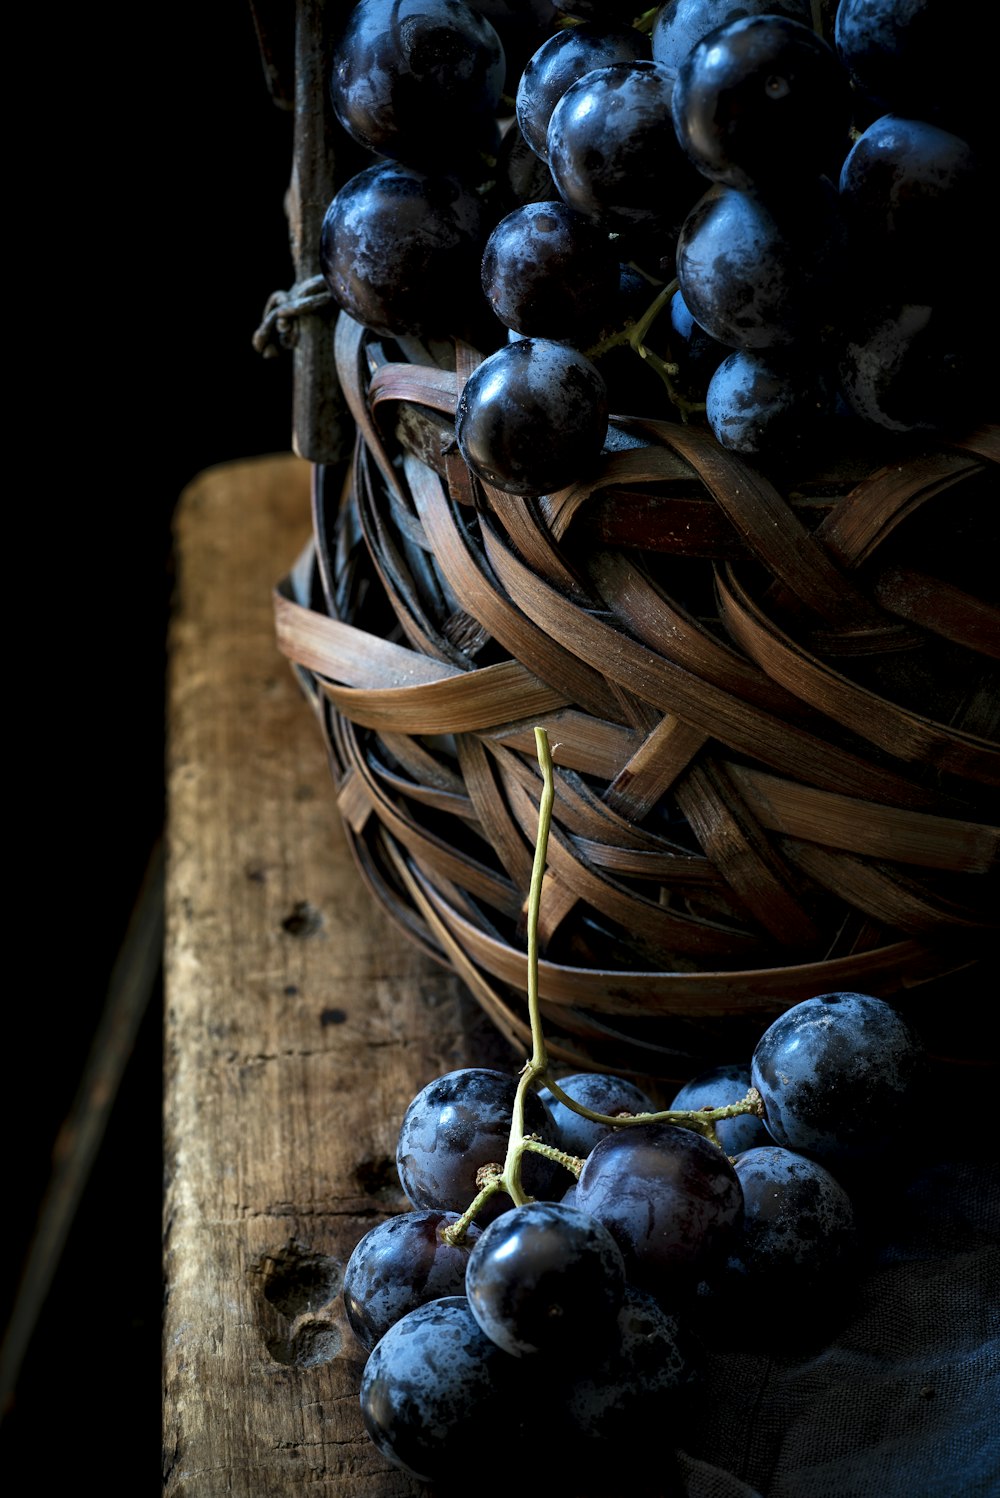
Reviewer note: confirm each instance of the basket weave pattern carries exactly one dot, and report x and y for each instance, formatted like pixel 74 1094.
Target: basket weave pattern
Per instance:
pixel 773 712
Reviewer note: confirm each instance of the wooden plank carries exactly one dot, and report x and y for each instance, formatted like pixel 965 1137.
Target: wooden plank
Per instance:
pixel 298 1025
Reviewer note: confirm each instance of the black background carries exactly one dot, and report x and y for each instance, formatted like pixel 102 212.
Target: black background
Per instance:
pixel 151 232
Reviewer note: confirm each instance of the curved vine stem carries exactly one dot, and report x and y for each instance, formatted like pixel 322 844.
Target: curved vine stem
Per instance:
pixel 537 1066
pixel 535 1072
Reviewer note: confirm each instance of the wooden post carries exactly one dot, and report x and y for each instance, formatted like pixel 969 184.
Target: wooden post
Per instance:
pixel 302 319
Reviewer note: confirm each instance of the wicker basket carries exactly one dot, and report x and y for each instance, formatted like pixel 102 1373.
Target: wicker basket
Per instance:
pixel 771 711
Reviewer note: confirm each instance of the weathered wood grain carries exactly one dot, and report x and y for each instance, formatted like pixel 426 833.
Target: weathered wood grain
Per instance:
pixel 298 1026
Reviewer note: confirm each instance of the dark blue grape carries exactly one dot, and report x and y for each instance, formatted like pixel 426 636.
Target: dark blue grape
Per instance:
pixel 545 1278
pixel 457 1124
pixel 614 155
pixel 680 24
pixel 533 417
pixel 770 401
pixel 402 1263
pixel 761 101
pixel 549 273
pixel 799 1228
pixel 729 1082
pixel 670 1199
pixel 400 250
pixel 836 1073
pixel 762 275
pixel 436 1390
pixel 601 1092
pixel 560 61
pixel 915 199
pixel 404 71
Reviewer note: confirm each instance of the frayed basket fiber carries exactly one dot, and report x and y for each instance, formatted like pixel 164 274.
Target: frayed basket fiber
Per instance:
pixel 773 708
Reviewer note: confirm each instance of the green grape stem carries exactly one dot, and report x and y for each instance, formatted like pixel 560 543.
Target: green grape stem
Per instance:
pixel 535 1072
pixel 701 1120
pixel 573 1163
pixel 633 334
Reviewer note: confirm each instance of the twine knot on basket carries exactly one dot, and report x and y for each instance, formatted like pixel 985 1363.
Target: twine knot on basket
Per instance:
pixel 279 326
pixel 773 707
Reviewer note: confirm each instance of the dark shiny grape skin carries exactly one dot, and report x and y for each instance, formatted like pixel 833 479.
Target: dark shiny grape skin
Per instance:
pixel 762 100
pixel 560 61
pixel 613 152
pixel 758 274
pixel 670 1199
pixel 763 402
pixel 404 70
pixel 532 418
pixel 458 1123
pixel 549 273
pixel 435 1391
pixel 716 1087
pixel 545 1278
pixel 680 24
pixel 601 1092
pixel 799 1225
pixel 836 1074
pixel 915 200
pixel 400 250
pixel 399 1264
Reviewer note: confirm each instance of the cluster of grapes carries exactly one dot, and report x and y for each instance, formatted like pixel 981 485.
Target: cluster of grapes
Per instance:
pixel 786 188
pixel 573 1308
pixel 563 1232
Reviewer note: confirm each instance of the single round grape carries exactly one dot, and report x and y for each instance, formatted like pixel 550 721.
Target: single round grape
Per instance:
pixel 762 100
pixel 457 1124
pixel 435 1391
pixel 549 273
pixel 717 1087
pixel 679 24
pixel 400 250
pixel 835 1073
pixel 544 1278
pixel 402 1263
pixel 763 275
pixel 533 417
pixel 613 152
pixel 915 199
pixel 560 61
pixel 404 71
pixel 671 1200
pixel 770 401
pixel 799 1227
pixel 601 1092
